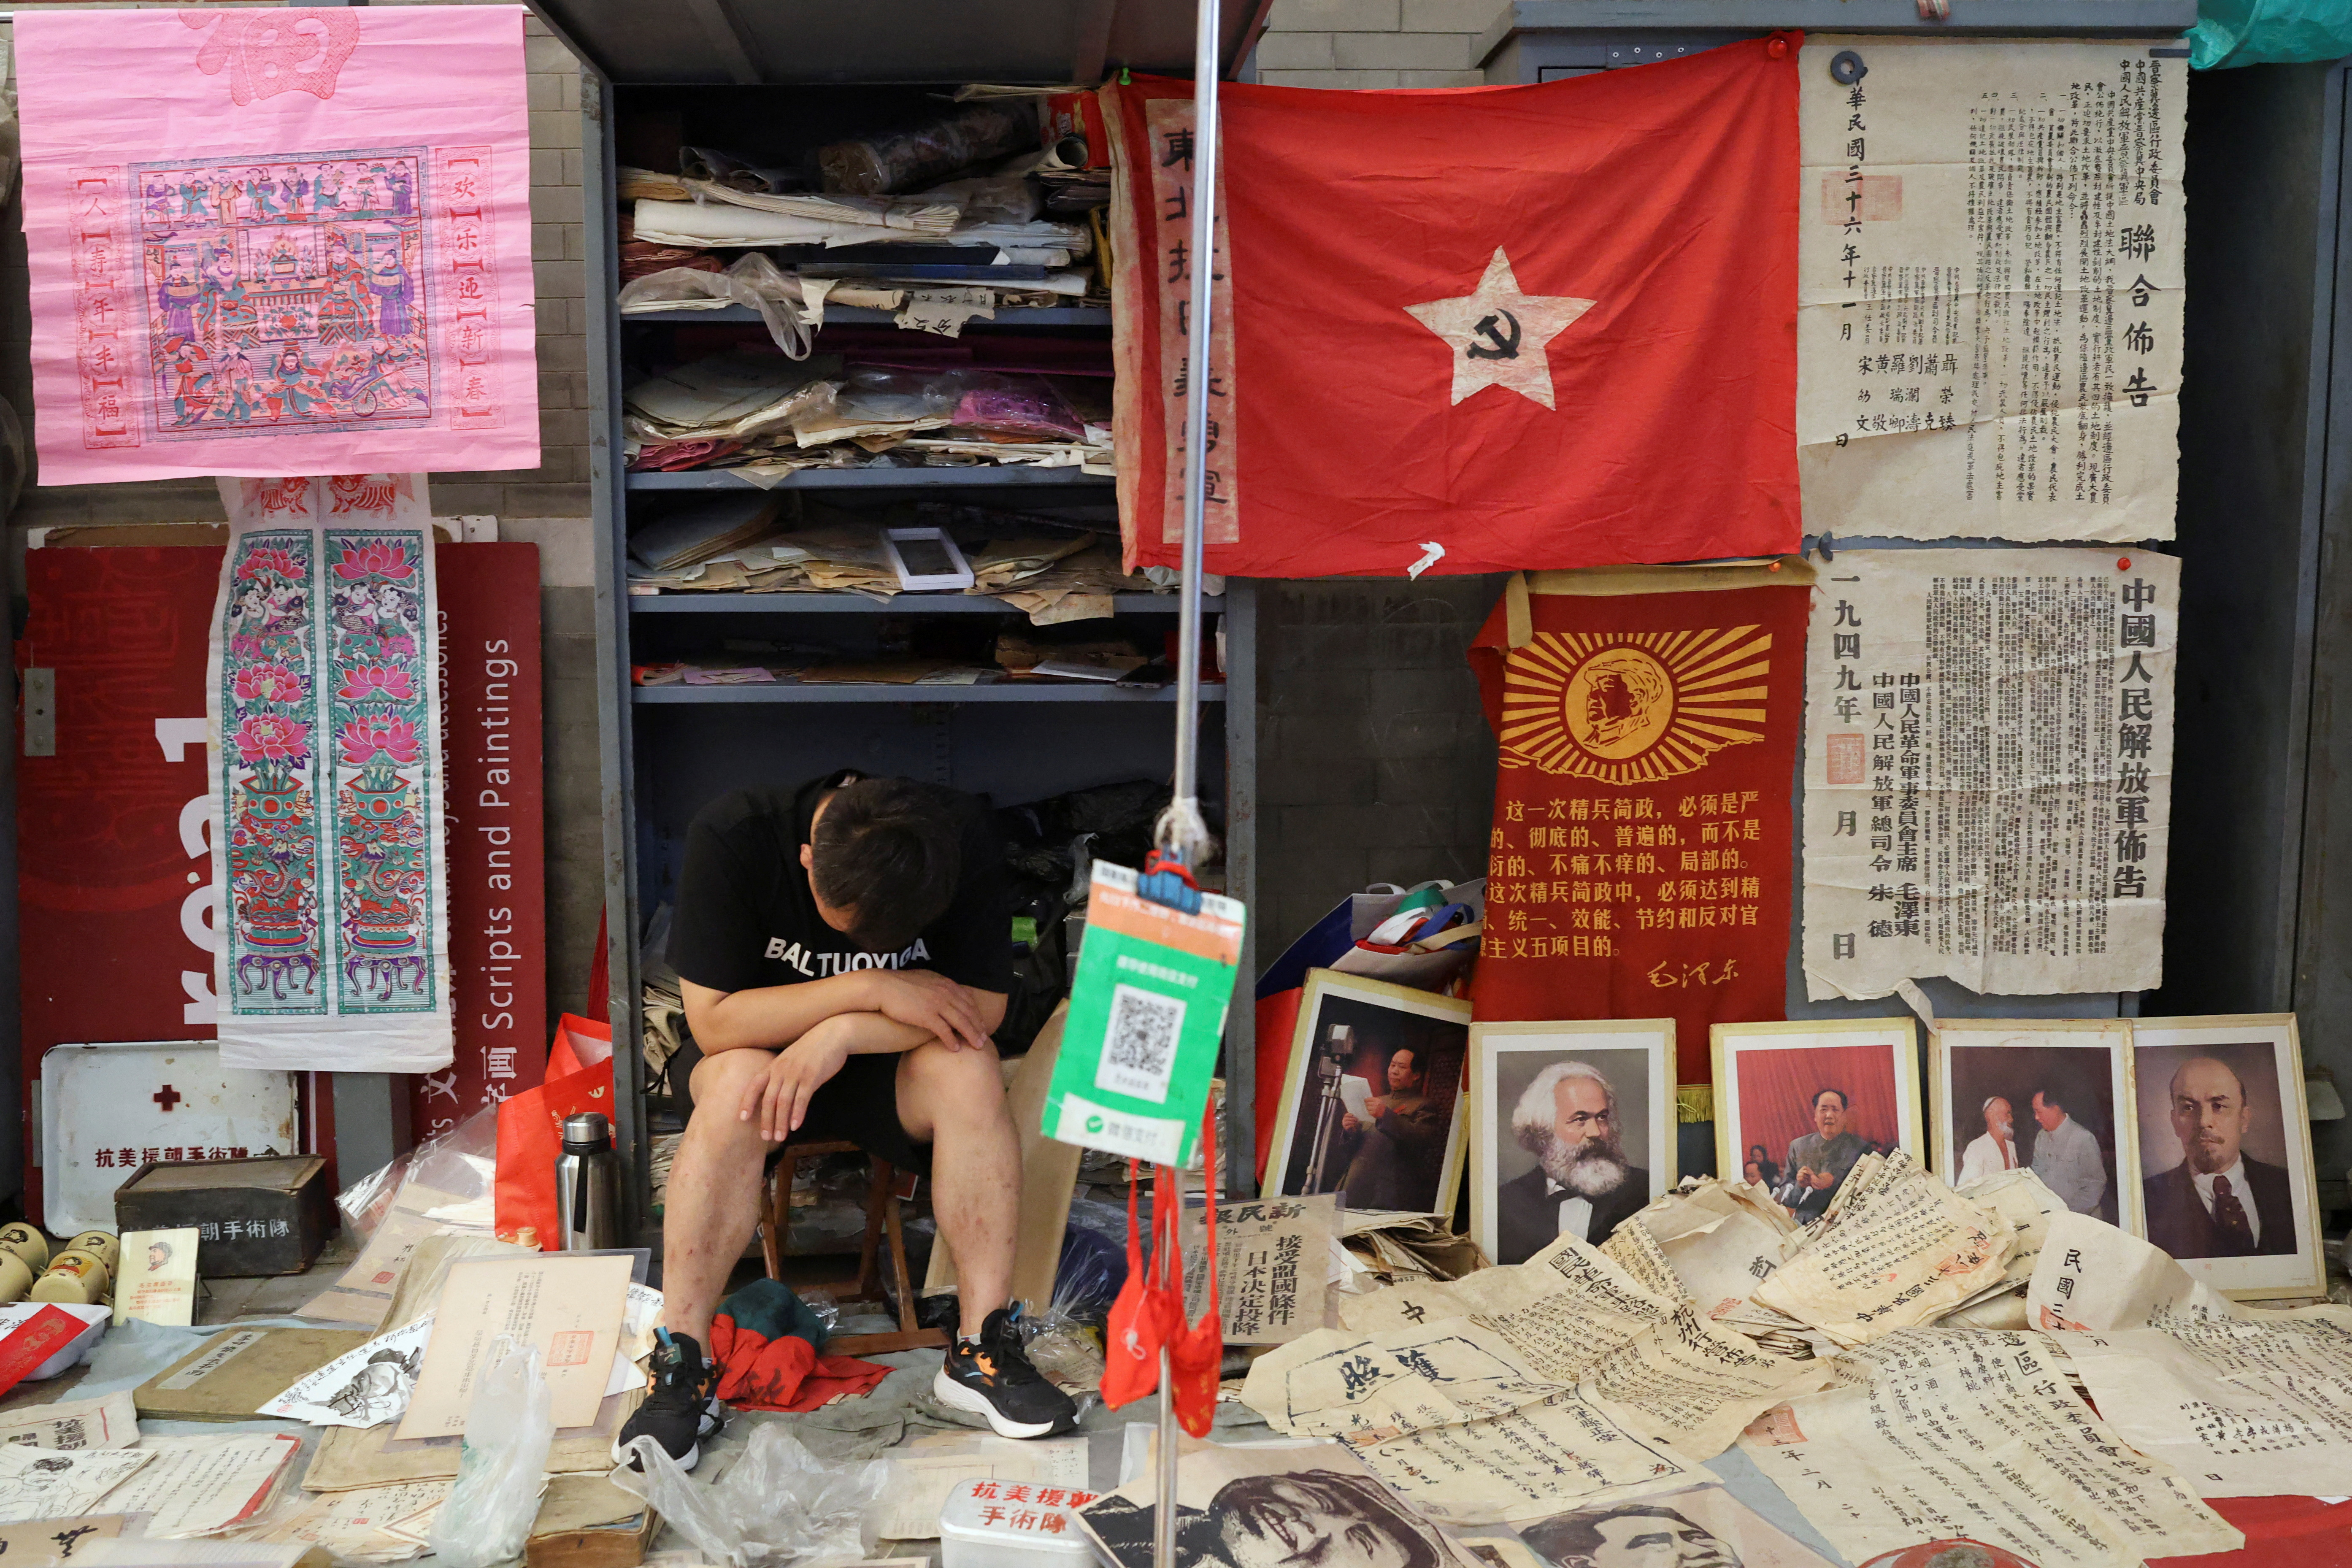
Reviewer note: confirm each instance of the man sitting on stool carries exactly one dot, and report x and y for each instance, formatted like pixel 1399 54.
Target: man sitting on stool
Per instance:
pixel 843 951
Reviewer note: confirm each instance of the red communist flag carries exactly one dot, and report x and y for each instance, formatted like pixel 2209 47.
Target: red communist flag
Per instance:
pixel 1471 329
pixel 1640 861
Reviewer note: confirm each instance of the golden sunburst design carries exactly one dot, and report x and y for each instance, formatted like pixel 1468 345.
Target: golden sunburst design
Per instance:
pixel 1632 708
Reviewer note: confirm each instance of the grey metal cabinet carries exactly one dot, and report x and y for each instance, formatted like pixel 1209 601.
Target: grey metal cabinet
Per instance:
pixel 668 750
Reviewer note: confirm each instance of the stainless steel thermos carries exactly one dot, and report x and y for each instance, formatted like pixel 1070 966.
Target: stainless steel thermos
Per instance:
pixel 587 1186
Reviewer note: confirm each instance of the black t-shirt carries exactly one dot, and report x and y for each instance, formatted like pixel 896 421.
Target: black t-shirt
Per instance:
pixel 745 917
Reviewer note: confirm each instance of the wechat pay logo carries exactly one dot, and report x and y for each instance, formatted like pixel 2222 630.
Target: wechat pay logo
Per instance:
pixel 1094 1123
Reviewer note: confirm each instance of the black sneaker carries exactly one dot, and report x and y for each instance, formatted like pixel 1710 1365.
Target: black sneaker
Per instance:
pixel 992 1377
pixel 682 1407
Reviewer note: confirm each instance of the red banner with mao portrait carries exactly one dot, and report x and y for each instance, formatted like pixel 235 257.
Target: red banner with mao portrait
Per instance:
pixel 1640 862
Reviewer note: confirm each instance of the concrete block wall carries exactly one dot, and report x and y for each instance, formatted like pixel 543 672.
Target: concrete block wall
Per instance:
pixel 1373 43
pixel 1375 764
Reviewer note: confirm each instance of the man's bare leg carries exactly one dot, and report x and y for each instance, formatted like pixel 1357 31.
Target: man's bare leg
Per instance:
pixel 954 1101
pixel 713 1202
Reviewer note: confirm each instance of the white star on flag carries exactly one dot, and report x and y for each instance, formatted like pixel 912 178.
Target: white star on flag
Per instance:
pixel 1499 334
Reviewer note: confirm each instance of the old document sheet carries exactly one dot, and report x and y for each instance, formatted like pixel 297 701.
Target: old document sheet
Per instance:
pixel 1989 770
pixel 40 1483
pixel 569 1307
pixel 111 1422
pixel 200 1485
pixel 1494 1397
pixel 1900 1248
pixel 1962 1433
pixel 1990 272
pixel 1273 1268
pixel 1721 1239
pixel 2244 1402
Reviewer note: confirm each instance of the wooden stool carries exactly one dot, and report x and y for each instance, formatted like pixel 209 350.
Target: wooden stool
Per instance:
pixel 882 1219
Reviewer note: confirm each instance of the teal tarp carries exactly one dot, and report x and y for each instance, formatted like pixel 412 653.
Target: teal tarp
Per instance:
pixel 2269 32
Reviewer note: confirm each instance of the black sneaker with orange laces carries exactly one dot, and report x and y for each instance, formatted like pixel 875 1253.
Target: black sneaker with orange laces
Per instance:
pixel 991 1376
pixel 680 1409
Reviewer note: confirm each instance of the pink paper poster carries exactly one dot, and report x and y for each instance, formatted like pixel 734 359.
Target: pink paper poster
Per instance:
pixel 277 243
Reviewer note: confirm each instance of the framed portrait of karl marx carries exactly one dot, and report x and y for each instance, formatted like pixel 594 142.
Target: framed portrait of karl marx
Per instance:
pixel 1797 1104
pixel 2224 1171
pixel 1571 1130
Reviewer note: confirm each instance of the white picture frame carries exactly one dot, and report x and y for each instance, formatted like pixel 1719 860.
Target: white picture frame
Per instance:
pixel 1634 1057
pixel 1974 1060
pixel 2265 1049
pixel 1887 1049
pixel 1383 1018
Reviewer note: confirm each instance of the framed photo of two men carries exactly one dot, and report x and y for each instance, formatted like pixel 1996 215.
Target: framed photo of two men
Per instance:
pixel 1797 1104
pixel 2042 1095
pixel 1571 1130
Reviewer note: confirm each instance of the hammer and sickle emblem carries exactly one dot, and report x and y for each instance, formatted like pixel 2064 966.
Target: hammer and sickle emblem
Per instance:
pixel 1504 347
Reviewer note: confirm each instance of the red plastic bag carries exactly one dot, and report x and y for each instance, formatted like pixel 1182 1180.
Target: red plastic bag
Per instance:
pixel 531 1126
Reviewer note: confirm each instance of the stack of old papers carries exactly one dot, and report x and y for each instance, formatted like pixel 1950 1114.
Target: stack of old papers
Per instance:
pixel 1514 1389
pixel 1078 587
pixel 1896 1247
pixel 730 396
pixel 703 531
pixel 1004 563
pixel 723 224
pixel 2244 1402
pixel 932 214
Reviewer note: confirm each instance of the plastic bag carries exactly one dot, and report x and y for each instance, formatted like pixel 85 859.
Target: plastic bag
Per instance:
pixel 455 1173
pixel 1023 406
pixel 752 281
pixel 777 1507
pixel 509 1428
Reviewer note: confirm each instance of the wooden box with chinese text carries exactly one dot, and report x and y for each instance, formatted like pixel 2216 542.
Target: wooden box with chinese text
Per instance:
pixel 264 1216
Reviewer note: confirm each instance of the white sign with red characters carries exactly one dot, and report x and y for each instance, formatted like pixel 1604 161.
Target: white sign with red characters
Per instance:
pixel 1036 1514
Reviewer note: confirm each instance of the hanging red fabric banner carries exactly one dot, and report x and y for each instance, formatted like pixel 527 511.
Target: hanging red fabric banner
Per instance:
pixel 1640 859
pixel 1469 330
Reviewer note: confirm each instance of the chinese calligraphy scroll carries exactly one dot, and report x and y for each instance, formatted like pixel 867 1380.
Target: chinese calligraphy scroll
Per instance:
pixel 1990 251
pixel 1531 327
pixel 327 811
pixel 300 246
pixel 1638 861
pixel 1988 770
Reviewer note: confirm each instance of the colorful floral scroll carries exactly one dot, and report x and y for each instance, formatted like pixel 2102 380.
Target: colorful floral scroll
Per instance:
pixel 327 809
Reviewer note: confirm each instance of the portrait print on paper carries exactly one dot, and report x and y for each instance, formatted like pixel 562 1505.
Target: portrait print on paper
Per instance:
pixel 1704 1527
pixel 2039 1096
pixel 2225 1171
pixel 1573 1130
pixel 1796 1105
pixel 1372 1108
pixel 1264 1506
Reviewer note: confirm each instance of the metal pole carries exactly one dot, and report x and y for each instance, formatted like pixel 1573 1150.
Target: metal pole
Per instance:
pixel 1163 1518
pixel 1185 819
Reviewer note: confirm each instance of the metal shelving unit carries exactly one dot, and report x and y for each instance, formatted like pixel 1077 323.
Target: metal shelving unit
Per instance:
pixel 667 750
pixel 1025 477
pixel 1031 316
pixel 797 692
pixel 857 604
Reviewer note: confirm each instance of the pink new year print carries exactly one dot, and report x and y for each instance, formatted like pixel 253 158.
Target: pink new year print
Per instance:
pixel 303 248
